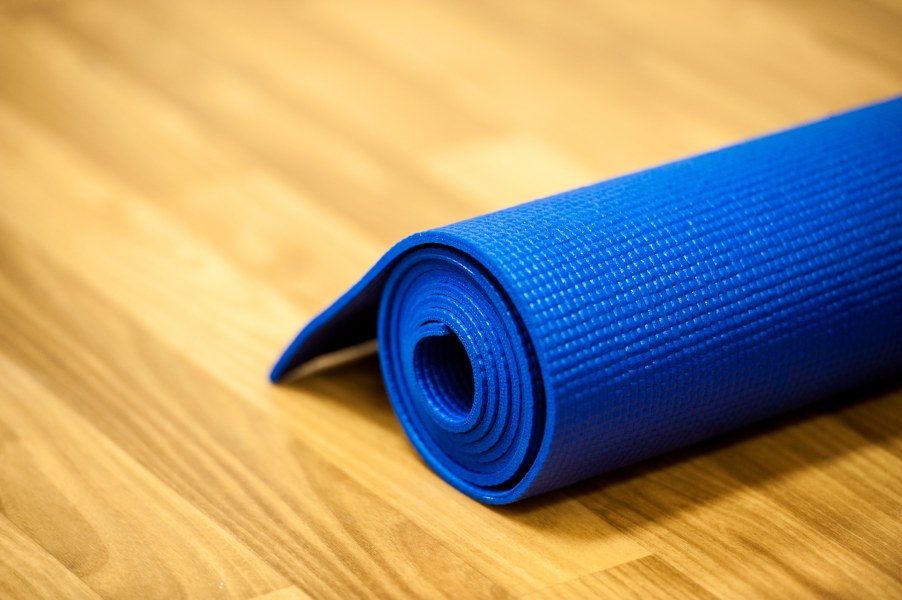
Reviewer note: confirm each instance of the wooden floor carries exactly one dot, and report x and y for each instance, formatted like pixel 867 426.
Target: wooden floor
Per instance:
pixel 184 183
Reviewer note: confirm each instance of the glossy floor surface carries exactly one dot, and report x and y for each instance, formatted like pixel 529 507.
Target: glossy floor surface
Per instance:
pixel 183 184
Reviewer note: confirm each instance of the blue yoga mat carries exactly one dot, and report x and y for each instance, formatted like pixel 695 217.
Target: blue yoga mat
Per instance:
pixel 536 346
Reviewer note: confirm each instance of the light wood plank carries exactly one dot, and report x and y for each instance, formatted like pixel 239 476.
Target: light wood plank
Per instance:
pixel 290 593
pixel 646 578
pixel 28 571
pixel 103 517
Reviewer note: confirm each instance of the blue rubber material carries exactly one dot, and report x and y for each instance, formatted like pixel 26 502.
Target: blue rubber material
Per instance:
pixel 546 343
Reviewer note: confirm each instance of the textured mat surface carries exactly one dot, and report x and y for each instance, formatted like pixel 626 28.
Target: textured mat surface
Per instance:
pixel 536 346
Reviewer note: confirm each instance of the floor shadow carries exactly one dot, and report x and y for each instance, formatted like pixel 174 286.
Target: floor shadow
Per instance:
pixel 662 487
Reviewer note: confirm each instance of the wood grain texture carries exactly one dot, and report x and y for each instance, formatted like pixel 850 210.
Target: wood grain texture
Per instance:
pixel 182 184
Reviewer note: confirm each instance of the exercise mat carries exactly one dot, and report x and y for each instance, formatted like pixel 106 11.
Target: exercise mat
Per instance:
pixel 536 346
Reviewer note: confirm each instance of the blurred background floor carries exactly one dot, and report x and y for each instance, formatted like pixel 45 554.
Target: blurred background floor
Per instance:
pixel 183 184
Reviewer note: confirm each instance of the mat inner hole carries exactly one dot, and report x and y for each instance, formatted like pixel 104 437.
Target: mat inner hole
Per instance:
pixel 445 374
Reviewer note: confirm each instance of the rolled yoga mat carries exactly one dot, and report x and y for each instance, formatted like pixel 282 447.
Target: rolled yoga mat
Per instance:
pixel 536 346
